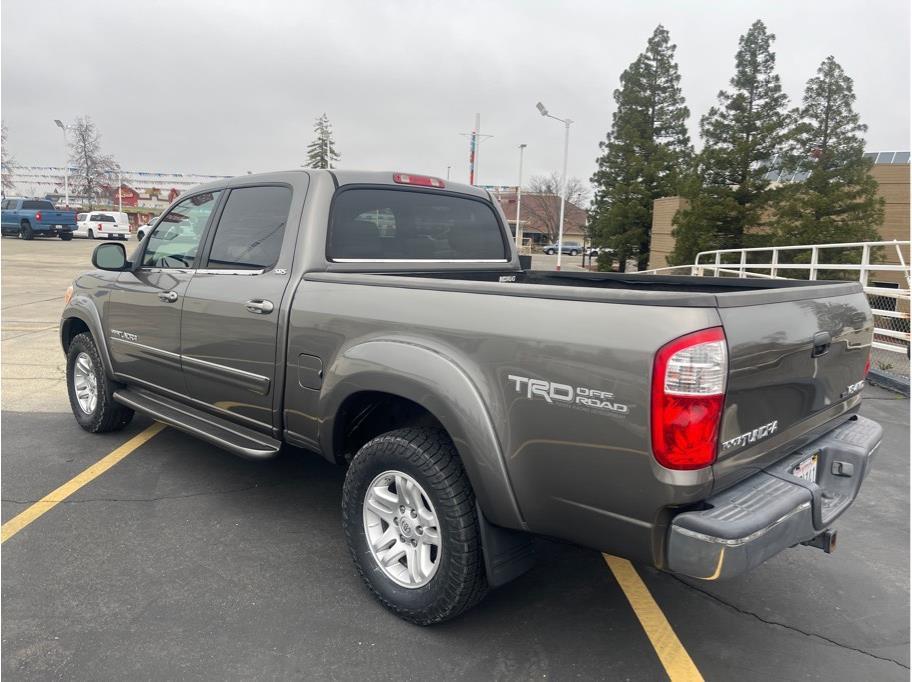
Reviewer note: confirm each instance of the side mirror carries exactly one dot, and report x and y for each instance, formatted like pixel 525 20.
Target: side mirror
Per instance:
pixel 110 257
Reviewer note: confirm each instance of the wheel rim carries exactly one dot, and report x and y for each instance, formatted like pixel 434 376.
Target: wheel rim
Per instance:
pixel 85 383
pixel 402 529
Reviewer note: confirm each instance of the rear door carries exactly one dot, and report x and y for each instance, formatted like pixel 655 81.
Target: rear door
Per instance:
pixel 231 315
pixel 145 311
pixel 794 367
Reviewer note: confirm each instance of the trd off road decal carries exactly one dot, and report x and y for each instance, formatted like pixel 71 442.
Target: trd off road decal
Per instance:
pixel 564 394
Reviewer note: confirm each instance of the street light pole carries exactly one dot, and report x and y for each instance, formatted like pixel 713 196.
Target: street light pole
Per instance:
pixel 522 147
pixel 66 163
pixel 563 190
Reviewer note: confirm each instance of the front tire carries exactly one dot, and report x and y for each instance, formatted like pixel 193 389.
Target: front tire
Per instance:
pixel 91 234
pixel 91 392
pixel 409 516
pixel 550 252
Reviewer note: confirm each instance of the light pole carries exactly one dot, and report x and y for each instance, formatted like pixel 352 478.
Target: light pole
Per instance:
pixel 66 162
pixel 519 200
pixel 560 228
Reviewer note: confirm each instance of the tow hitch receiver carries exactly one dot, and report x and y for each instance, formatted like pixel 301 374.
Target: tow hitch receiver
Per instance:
pixel 825 541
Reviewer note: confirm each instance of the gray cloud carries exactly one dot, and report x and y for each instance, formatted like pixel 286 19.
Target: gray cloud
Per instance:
pixel 216 87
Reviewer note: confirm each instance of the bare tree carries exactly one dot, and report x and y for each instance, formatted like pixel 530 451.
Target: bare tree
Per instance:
pixel 541 198
pixel 7 162
pixel 91 169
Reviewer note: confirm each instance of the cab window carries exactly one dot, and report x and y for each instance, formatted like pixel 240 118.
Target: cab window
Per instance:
pixel 175 241
pixel 250 230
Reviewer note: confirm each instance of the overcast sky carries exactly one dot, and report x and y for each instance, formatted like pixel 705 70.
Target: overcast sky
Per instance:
pixel 226 87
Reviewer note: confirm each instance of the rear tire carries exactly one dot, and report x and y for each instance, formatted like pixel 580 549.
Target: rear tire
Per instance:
pixel 574 252
pixel 66 236
pixel 441 585
pixel 91 392
pixel 91 234
pixel 25 231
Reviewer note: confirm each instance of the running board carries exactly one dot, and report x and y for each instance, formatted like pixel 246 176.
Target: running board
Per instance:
pixel 236 439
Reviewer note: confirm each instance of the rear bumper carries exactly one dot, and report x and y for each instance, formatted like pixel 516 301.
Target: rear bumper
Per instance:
pixel 772 510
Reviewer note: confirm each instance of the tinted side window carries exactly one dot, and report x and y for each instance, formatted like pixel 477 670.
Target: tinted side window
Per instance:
pixel 250 231
pixel 37 205
pixel 175 241
pixel 81 218
pixel 389 224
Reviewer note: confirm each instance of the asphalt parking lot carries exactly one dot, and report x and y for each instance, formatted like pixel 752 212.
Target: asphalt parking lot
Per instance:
pixel 183 562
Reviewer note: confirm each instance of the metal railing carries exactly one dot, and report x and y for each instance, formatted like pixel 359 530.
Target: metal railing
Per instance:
pixel 864 261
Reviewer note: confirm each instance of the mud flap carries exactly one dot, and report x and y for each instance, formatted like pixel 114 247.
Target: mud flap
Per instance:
pixel 507 553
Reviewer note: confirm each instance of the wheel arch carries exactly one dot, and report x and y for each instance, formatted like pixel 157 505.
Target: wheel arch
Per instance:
pixel 441 393
pixel 81 316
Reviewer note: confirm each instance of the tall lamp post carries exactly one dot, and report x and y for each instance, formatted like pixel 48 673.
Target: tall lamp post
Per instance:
pixel 522 147
pixel 66 162
pixel 560 228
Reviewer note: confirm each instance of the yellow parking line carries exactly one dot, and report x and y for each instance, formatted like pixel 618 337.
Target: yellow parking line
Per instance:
pixel 51 500
pixel 668 647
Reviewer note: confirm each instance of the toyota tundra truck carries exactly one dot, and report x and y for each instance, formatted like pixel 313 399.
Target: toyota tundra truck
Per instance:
pixel 382 321
pixel 30 218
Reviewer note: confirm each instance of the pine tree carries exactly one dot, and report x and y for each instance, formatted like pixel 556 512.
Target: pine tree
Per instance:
pixel 644 153
pixel 321 153
pixel 730 192
pixel 838 201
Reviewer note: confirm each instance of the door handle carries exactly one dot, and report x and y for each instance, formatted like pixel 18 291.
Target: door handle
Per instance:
pixel 259 306
pixel 168 296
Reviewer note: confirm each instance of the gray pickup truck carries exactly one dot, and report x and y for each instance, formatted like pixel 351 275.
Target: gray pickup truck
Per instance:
pixel 383 321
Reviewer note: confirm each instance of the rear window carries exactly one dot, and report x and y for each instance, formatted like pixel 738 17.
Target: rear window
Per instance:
pixel 393 224
pixel 102 218
pixel 37 205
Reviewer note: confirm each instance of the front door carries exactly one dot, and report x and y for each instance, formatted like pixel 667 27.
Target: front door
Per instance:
pixel 144 314
pixel 232 307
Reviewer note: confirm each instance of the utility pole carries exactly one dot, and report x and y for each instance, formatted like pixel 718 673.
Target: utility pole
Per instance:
pixel 475 140
pixel 522 147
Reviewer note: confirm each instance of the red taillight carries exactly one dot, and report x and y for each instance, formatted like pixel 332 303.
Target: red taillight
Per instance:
pixel 867 366
pixel 422 180
pixel 688 393
pixel 38 216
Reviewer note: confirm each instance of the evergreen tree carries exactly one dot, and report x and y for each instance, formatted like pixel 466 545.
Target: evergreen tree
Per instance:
pixel 321 153
pixel 838 201
pixel 749 128
pixel 644 153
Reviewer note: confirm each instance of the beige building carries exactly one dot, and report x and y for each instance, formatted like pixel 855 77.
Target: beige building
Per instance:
pixel 891 170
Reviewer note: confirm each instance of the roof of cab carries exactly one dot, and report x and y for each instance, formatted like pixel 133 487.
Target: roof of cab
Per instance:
pixel 343 177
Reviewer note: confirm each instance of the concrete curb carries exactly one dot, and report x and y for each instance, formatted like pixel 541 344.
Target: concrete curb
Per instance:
pixel 889 381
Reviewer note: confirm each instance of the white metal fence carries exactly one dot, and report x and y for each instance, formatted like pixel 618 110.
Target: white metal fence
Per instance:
pixel 881 267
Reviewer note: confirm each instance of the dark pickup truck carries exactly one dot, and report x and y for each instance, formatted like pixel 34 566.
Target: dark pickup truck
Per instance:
pixel 382 320
pixel 30 218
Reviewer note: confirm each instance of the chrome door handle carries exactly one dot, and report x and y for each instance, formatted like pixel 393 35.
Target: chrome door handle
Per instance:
pixel 259 306
pixel 168 296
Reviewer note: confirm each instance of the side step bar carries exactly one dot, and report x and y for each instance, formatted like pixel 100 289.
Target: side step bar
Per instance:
pixel 238 440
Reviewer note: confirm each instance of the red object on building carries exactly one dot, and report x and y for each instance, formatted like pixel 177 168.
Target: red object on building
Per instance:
pixel 129 196
pixel 173 194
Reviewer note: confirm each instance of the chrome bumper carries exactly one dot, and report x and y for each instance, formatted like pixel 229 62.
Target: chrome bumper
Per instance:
pixel 759 517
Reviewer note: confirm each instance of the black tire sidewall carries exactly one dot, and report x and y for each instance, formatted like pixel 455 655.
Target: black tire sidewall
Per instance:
pixel 422 605
pixel 108 415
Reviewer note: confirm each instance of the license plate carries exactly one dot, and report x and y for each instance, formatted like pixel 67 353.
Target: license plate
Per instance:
pixel 807 469
pixel 59 227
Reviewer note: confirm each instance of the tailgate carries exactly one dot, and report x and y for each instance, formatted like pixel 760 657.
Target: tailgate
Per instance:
pixel 795 368
pixel 58 217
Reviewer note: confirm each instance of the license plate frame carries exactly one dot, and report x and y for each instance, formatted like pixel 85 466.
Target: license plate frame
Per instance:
pixel 806 469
